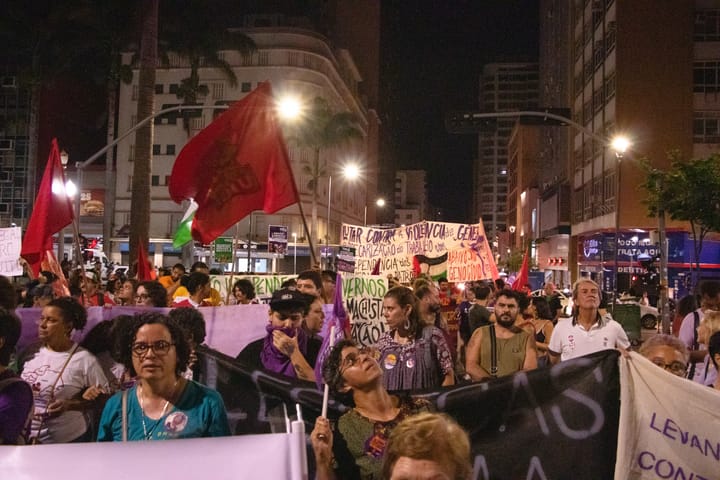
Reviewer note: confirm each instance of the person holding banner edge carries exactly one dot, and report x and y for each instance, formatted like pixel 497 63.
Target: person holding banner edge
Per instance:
pixel 357 448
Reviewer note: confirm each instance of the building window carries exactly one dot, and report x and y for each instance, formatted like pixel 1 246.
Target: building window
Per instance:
pixel 707 26
pixel 245 87
pixel 131 155
pixel 293 59
pixel 156 149
pixel 263 58
pixel 247 60
pixel 155 180
pixel 129 185
pixel 170 150
pixel 173 88
pixel 706 127
pixel 159 88
pixel 218 90
pixel 167 180
pixel 610 87
pixel 706 77
pixel 610 37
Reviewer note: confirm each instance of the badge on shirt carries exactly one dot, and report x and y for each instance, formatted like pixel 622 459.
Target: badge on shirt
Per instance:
pixel 390 361
pixel 176 422
pixel 410 363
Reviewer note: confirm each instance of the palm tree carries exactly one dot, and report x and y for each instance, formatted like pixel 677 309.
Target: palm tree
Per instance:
pixel 140 195
pixel 197 34
pixel 319 129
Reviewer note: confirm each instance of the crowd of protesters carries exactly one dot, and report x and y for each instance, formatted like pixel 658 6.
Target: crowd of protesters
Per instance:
pixel 131 378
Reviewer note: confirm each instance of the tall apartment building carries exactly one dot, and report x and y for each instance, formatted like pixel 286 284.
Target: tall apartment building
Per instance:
pixel 15 176
pixel 503 87
pixel 411 197
pixel 295 60
pixel 649 72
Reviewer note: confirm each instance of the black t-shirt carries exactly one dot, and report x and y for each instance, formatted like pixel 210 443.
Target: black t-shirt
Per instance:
pixel 479 317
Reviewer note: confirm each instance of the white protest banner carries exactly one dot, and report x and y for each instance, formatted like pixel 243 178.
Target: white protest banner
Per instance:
pixel 669 426
pixel 231 458
pixel 363 296
pixel 459 252
pixel 10 245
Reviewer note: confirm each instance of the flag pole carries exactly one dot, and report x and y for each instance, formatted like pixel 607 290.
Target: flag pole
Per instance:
pixel 326 391
pixel 78 247
pixel 307 230
pixel 234 260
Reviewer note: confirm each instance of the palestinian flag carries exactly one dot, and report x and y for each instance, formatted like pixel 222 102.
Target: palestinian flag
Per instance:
pixel 182 234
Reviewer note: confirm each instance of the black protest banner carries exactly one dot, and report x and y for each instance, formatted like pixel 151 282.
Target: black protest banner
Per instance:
pixel 556 423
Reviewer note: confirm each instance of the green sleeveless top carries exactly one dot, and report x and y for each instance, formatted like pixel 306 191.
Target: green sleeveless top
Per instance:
pixel 510 352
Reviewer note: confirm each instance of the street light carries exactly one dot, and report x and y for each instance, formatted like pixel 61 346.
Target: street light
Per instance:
pixel 289 107
pixel 351 172
pixel 380 203
pixel 620 144
pixel 294 253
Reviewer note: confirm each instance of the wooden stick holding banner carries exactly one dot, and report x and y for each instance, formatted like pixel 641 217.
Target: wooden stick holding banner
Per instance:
pixel 326 392
pixel 307 231
pixel 236 240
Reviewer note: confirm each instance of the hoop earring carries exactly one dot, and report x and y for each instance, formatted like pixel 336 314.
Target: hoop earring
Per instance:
pixel 406 325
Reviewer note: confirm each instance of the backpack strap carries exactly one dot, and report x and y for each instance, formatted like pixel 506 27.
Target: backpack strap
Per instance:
pixel 493 352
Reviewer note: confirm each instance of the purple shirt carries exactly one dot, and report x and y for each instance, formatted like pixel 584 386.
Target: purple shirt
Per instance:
pixel 16 400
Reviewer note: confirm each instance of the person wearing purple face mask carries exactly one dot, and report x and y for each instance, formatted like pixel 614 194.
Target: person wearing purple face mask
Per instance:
pixel 284 348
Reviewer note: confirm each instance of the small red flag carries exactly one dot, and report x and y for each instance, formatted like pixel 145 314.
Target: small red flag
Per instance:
pixel 237 164
pixel 524 274
pixel 52 212
pixel 143 267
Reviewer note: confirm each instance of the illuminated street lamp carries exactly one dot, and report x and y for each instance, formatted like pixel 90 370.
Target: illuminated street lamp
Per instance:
pixel 351 172
pixel 289 107
pixel 69 190
pixel 620 144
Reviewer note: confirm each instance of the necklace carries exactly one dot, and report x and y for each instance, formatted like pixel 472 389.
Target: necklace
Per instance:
pixel 162 414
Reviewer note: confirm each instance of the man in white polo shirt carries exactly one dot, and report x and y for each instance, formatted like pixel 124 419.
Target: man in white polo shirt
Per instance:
pixel 586 331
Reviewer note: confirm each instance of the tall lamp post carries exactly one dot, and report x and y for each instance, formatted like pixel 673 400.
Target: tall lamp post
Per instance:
pixel 620 144
pixel 64 158
pixel 294 253
pixel 351 172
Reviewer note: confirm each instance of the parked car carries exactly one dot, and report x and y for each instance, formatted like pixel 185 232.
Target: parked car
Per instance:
pixel 565 300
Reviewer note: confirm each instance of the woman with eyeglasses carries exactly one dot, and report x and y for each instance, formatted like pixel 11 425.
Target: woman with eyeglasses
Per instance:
pixel 151 294
pixel 59 373
pixel 357 447
pixel 162 405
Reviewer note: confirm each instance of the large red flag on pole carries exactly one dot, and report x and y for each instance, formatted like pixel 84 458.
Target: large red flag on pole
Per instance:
pixel 52 212
pixel 524 274
pixel 237 164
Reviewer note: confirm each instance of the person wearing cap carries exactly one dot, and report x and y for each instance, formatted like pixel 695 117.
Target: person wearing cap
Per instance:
pixel 91 296
pixel 284 348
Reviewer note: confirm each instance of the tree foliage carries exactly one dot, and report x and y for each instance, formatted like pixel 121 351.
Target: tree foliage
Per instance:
pixel 321 128
pixel 688 191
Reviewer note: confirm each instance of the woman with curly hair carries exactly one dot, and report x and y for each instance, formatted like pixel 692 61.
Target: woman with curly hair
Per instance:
pixel 59 373
pixel 151 294
pixel 162 404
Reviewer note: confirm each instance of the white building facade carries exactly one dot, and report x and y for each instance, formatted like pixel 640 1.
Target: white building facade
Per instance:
pixel 295 61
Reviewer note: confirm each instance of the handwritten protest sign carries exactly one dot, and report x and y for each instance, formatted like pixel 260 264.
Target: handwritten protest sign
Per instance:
pixel 10 251
pixel 459 252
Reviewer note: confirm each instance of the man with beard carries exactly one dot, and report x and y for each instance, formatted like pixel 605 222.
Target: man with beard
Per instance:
pixel 501 348
pixel 587 331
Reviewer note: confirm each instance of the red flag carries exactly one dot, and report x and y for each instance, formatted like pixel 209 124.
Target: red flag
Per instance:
pixel 143 268
pixel 523 275
pixel 52 212
pixel 237 164
pixel 59 286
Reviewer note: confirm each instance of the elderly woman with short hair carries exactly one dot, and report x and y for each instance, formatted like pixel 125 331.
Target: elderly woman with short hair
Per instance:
pixel 162 404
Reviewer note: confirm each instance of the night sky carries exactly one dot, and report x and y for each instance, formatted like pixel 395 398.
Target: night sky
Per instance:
pixel 432 55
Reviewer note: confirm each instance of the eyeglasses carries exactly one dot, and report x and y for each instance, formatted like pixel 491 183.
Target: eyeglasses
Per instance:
pixel 160 347
pixel 142 296
pixel 676 368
